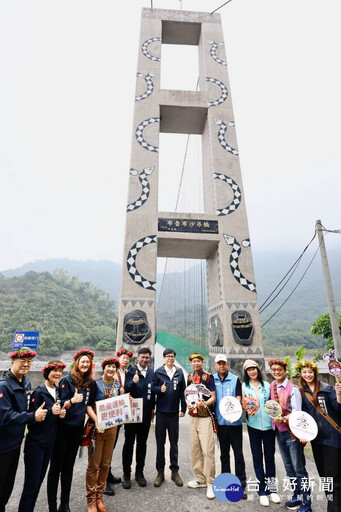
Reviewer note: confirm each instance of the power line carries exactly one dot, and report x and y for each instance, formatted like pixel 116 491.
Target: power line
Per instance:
pixel 293 268
pixel 286 300
pixel 215 10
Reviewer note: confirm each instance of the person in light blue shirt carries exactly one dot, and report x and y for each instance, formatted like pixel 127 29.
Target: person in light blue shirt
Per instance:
pixel 229 434
pixel 261 433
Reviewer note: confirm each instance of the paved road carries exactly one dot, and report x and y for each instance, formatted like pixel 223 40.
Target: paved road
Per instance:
pixel 168 497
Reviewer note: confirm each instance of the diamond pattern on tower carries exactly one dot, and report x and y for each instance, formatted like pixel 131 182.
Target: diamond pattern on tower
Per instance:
pixel 224 92
pixel 145 51
pixel 139 134
pixel 236 194
pixel 234 263
pixel 213 52
pixel 131 262
pixel 150 85
pixel 145 188
pixel 222 133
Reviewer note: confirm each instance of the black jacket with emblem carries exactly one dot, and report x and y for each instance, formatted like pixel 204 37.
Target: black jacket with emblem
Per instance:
pixel 14 415
pixel 174 394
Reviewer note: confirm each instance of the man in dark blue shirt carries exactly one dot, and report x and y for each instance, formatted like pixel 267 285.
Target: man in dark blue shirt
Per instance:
pixel 139 383
pixel 15 390
pixel 169 387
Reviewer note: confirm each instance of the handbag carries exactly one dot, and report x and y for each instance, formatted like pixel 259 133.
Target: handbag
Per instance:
pixel 88 435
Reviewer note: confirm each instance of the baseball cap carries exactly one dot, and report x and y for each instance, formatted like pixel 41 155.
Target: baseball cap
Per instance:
pixel 220 357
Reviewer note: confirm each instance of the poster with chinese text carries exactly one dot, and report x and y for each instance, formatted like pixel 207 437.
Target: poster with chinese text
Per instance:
pixel 113 411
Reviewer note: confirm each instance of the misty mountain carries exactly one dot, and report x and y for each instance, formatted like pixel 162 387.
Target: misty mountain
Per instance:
pixel 291 323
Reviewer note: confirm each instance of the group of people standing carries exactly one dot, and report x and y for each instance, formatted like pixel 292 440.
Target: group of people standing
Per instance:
pixel 55 416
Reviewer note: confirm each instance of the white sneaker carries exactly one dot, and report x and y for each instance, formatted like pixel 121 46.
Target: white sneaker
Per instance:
pixel 264 500
pixel 209 493
pixel 275 498
pixel 193 484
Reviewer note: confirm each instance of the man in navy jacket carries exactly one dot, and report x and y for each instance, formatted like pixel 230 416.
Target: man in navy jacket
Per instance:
pixel 169 387
pixel 15 390
pixel 139 383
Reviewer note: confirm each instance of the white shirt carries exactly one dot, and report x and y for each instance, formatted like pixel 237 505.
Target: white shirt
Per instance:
pixel 123 377
pixel 142 370
pixel 52 391
pixel 295 397
pixel 170 372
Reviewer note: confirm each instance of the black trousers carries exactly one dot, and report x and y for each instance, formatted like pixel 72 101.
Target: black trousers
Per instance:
pixel 166 421
pixel 138 431
pixel 262 444
pixel 8 468
pixel 232 436
pixel 328 463
pixel 36 459
pixel 62 461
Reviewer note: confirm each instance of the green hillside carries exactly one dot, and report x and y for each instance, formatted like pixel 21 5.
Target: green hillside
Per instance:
pixel 68 313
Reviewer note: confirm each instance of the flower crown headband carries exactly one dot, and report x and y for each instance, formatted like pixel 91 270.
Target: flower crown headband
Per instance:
pixel 306 364
pixel 110 360
pixel 277 361
pixel 196 356
pixel 22 352
pixel 83 352
pixel 123 352
pixel 54 366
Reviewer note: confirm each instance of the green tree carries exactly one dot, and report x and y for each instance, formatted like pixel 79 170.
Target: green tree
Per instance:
pixel 322 327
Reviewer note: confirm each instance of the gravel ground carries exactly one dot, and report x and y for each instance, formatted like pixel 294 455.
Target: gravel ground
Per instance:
pixel 167 497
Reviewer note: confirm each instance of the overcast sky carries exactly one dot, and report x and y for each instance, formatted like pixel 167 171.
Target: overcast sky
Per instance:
pixel 67 87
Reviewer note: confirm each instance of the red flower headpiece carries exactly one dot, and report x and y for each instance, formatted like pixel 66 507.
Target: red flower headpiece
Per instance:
pixel 124 351
pixel 83 352
pixel 54 366
pixel 277 361
pixel 22 352
pixel 110 360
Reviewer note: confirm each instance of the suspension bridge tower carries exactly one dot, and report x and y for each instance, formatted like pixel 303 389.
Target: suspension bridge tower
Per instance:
pixel 220 234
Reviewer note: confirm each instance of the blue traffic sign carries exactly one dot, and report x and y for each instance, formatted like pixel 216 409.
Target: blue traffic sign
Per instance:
pixel 29 339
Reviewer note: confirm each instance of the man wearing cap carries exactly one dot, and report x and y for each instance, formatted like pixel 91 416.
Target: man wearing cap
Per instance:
pixel 15 390
pixel 169 387
pixel 229 434
pixel 202 435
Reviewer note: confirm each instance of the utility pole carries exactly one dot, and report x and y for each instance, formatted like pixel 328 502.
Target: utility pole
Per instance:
pixel 329 290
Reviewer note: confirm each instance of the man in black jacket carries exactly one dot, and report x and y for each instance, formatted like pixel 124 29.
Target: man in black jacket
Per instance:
pixel 139 383
pixel 15 390
pixel 169 387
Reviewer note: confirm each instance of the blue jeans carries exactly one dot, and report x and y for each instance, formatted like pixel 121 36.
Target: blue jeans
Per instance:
pixel 294 462
pixel 263 442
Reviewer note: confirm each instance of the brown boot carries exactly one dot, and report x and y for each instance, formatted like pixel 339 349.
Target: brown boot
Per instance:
pixel 92 505
pixel 176 478
pixel 159 479
pixel 101 507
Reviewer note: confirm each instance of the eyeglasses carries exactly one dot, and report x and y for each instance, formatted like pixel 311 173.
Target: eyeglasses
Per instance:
pixel 169 356
pixel 24 362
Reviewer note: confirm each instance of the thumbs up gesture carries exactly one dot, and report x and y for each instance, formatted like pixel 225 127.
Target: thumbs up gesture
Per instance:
pixel 40 413
pixel 77 397
pixel 163 388
pixel 62 412
pixel 56 408
pixel 136 378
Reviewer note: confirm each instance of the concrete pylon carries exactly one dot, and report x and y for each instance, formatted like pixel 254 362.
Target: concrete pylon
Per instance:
pixel 220 235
